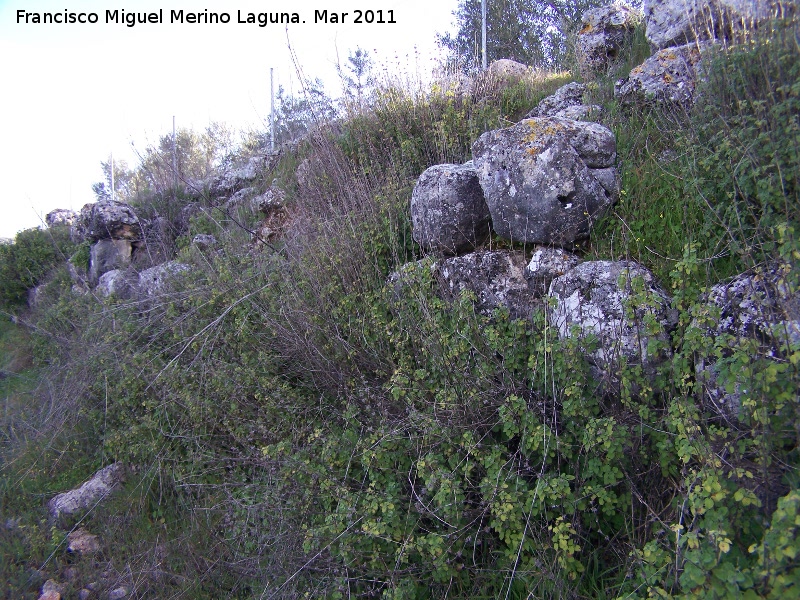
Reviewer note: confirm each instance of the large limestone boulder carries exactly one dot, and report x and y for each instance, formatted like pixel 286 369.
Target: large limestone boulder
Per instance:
pixel 496 278
pixel 108 255
pixel 603 300
pixel 758 305
pixel 606 29
pixel 101 484
pixel 669 76
pixel 108 220
pixel 61 216
pixel 118 282
pixel 546 180
pixel 234 179
pixel 449 214
pixel 157 280
pixel 678 22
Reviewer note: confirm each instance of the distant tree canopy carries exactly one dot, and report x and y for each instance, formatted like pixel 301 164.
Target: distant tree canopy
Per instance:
pixel 197 154
pixel 533 32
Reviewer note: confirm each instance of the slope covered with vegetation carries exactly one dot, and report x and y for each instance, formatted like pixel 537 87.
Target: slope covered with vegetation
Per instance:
pixel 295 427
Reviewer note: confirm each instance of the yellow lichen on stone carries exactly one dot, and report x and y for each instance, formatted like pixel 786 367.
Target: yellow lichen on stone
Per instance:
pixel 667 78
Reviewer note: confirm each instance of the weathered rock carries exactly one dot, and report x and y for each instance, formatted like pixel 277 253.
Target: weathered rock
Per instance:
pixel 271 200
pixel 156 280
pixel 496 278
pixel 51 586
pixel 507 71
pixel 241 198
pixel 107 255
pixel 605 31
pixel 546 264
pixel 50 595
pixel 61 216
pixel 84 594
pixel 117 282
pixel 184 218
pixel 677 22
pixel 449 214
pixel 204 241
pixel 564 97
pixel 598 299
pixel 669 76
pixel 540 178
pixel 118 593
pixel 235 179
pixel 91 492
pixel 81 541
pixel 108 220
pixel 753 306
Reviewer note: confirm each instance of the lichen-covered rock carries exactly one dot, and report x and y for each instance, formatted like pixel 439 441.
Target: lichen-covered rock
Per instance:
pixel 61 216
pixel 756 306
pixel 449 214
pixel 271 200
pixel 204 241
pixel 540 178
pixel 605 30
pixel 235 179
pixel 91 492
pixel 156 281
pixel 106 220
pixel 107 255
pixel 546 264
pixel 496 278
pixel 118 282
pixel 564 97
pixel 612 302
pixel 669 76
pixel 677 22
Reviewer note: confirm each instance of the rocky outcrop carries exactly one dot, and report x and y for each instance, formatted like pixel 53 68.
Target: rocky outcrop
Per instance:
pixel 507 71
pixel 157 280
pixel 271 200
pixel 669 76
pixel 757 306
pixel 236 179
pixel 567 103
pixel 102 483
pixel 679 22
pixel 61 217
pixel 546 179
pixel 617 304
pixel 605 30
pixel 108 255
pixel 449 214
pixel 106 220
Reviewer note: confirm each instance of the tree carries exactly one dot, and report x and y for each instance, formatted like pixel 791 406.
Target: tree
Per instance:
pixel 122 179
pixel 355 76
pixel 533 32
pixel 296 115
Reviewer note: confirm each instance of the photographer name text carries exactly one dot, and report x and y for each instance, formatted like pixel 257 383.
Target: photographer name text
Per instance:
pixel 205 17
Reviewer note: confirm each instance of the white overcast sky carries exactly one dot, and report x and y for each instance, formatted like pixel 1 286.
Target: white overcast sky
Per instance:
pixel 71 94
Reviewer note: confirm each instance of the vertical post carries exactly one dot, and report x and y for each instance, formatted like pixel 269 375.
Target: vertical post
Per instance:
pixel 112 177
pixel 174 157
pixel 271 111
pixel 483 33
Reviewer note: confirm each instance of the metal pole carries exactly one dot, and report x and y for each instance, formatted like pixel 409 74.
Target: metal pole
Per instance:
pixel 271 111
pixel 174 156
pixel 112 176
pixel 483 32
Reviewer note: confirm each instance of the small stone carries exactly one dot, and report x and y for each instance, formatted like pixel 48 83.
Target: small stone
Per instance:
pixel 118 593
pixel 81 541
pixel 84 594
